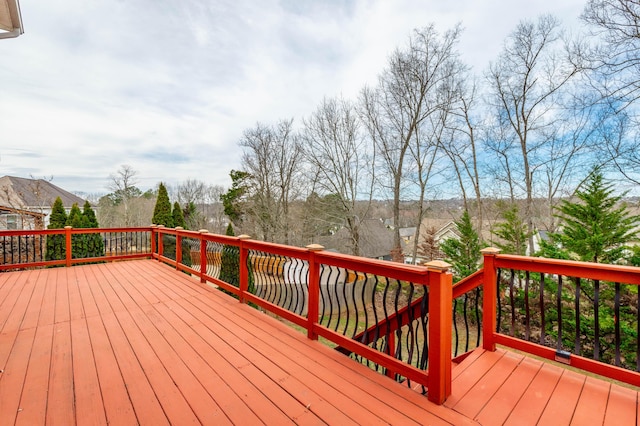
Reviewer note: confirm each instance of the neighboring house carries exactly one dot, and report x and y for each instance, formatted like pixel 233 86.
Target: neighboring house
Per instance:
pixel 408 234
pixel 26 203
pixel 10 19
pixel 376 240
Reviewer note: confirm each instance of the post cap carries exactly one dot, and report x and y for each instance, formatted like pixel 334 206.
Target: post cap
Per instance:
pixel 315 247
pixel 439 265
pixel 244 237
pixel 203 231
pixel 490 250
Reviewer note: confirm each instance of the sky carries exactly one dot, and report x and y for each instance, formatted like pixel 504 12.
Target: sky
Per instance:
pixel 168 87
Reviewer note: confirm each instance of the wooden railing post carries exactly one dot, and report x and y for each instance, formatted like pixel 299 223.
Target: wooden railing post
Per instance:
pixel 440 284
pixel 67 243
pixel 313 290
pixel 244 269
pixel 160 244
pixel 154 236
pixel 178 246
pixel 203 256
pixel 489 298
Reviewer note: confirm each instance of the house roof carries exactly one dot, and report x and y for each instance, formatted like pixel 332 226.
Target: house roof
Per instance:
pixel 29 194
pixel 376 240
pixel 10 19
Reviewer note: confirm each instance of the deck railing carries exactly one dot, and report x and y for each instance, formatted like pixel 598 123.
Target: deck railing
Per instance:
pixel 405 321
pixel 392 317
pixel 586 315
pixel 22 249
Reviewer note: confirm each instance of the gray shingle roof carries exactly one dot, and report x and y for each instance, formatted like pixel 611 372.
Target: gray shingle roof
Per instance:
pixel 26 193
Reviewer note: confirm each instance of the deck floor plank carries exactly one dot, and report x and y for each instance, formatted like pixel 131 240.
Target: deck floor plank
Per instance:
pixel 498 409
pixel 529 408
pixel 142 343
pixel 32 314
pixel 618 413
pixel 88 398
pixel 61 397
pixel 19 301
pixel 33 401
pixel 563 400
pixel 13 375
pixel 592 403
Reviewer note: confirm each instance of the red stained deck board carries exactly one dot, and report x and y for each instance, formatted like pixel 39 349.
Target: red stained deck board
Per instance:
pixel 563 400
pixel 530 407
pixel 62 312
pixel 145 403
pixel 115 397
pixel 88 398
pixel 620 407
pixel 76 309
pixel 32 313
pixel 173 328
pixel 165 389
pixel 249 385
pixel 592 403
pixel 298 360
pixel 60 406
pixel 33 402
pixel 13 375
pixel 196 396
pixel 498 409
pixel 18 300
pixel 473 374
pixel 485 389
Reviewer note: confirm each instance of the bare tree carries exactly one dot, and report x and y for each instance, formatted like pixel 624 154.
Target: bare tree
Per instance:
pixel 615 57
pixel 271 157
pixel 341 164
pixel 461 144
pixel 526 83
pixel 403 99
pixel 123 184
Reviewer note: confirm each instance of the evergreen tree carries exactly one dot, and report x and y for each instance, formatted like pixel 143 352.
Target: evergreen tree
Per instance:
pixel 178 217
pixel 230 262
pixel 78 241
pixel 57 220
pixel 513 232
pixel 234 199
pixel 162 211
pixel 597 227
pixel 463 253
pixel 95 244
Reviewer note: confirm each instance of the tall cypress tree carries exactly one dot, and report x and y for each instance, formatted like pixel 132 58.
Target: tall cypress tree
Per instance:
pixel 162 210
pixel 95 244
pixel 57 220
pixel 178 216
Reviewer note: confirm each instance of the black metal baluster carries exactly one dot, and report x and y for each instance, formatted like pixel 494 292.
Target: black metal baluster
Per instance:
pixel 616 320
pixel 499 303
pixel 477 311
pixel 543 325
pixel 559 308
pixel 596 319
pixel 577 346
pixel 466 322
pixel 527 311
pixel 513 304
pixel 455 326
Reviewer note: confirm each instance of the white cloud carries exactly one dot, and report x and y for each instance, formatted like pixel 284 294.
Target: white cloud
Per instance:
pixel 168 87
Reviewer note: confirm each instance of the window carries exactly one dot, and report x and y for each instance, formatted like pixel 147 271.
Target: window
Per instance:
pixel 12 221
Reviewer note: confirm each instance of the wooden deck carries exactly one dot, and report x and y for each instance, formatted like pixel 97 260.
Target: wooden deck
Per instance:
pixel 140 343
